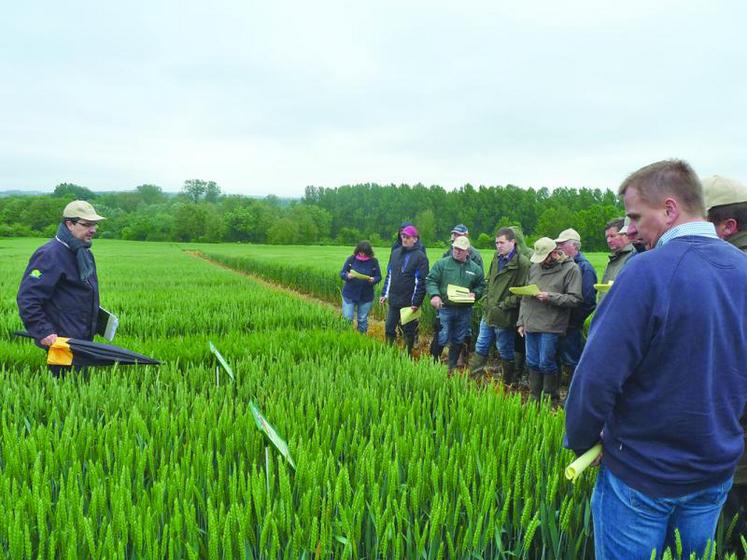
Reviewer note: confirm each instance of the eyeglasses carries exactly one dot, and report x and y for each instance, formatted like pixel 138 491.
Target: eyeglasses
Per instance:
pixel 87 225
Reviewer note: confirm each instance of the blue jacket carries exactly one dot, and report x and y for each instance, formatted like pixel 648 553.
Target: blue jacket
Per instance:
pixel 664 371
pixel 405 277
pixel 53 299
pixel 355 289
pixel 588 279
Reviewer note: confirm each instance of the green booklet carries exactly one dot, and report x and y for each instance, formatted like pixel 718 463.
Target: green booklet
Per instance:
pixel 406 315
pixel 356 274
pixel 530 290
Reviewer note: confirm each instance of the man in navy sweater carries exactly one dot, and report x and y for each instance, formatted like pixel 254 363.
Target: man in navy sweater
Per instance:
pixel 663 378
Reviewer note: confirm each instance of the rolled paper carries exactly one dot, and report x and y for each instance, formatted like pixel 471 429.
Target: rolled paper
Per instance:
pixel 603 287
pixel 574 470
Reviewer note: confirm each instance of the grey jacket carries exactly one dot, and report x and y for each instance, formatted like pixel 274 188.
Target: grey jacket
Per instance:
pixel 562 281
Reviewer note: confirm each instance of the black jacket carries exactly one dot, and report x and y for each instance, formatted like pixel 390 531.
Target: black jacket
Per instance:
pixel 405 277
pixel 53 299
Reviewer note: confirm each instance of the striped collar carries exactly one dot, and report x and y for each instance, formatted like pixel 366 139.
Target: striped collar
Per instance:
pixel 699 228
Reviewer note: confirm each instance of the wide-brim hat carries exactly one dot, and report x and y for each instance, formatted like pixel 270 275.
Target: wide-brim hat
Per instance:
pixel 81 210
pixel 542 247
pixel 720 191
pixel 569 234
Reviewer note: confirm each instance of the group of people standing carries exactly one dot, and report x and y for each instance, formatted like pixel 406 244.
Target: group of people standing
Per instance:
pixel 661 379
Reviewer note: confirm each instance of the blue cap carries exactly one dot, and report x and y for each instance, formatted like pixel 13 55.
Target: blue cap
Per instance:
pixel 460 229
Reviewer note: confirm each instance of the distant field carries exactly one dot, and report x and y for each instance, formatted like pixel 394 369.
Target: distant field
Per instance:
pixel 330 258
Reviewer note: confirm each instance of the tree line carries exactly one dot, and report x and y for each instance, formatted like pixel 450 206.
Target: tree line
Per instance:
pixel 339 215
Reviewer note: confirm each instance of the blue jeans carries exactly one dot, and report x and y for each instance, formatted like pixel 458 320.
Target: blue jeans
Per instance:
pixel 542 349
pixel 628 524
pixel 348 307
pixel 455 324
pixel 571 345
pixel 505 340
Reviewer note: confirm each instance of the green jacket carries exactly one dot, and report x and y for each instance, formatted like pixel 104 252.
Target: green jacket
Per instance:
pixel 617 261
pixel 563 282
pixel 499 307
pixel 739 240
pixel 450 271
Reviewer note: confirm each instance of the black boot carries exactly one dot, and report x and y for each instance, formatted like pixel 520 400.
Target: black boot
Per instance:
pixel 567 375
pixel 390 339
pixel 509 369
pixel 535 384
pixel 410 343
pixel 477 364
pixel 454 350
pixel 436 350
pixel 550 387
pixel 519 369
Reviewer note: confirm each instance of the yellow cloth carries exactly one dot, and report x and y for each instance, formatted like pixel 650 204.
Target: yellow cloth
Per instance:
pixel 59 353
pixel 574 470
pixel 530 290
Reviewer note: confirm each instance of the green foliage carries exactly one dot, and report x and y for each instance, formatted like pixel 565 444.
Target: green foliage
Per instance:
pixel 394 459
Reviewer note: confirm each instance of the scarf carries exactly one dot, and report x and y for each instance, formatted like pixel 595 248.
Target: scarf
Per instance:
pixel 81 250
pixel 362 257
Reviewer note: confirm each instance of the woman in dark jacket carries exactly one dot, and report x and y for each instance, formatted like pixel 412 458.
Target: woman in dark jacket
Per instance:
pixel 360 272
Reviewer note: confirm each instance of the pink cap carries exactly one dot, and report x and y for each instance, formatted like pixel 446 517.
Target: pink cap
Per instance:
pixel 410 231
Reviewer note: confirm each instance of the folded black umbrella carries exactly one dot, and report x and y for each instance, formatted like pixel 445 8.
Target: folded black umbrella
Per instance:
pixel 76 352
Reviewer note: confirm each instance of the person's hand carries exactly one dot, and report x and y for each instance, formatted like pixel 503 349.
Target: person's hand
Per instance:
pixel 414 308
pixel 436 302
pixel 48 340
pixel 382 299
pixel 371 280
pixel 349 276
pixel 472 295
pixel 521 331
pixel 544 297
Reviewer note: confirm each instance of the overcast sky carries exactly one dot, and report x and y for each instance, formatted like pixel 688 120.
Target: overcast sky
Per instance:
pixel 269 97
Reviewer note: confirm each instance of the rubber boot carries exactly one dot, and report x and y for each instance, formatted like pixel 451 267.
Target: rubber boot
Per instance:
pixel 390 339
pixel 454 350
pixel 509 369
pixel 567 375
pixel 550 386
pixel 519 362
pixel 477 364
pixel 410 343
pixel 436 349
pixel 535 384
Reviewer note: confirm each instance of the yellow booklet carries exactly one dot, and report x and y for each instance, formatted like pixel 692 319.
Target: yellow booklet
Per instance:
pixel 530 290
pixel 356 274
pixel 603 287
pixel 406 315
pixel 574 470
pixel 458 294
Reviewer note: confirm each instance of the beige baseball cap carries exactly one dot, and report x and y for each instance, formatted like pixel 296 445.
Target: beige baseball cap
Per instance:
pixel 82 210
pixel 569 234
pixel 461 242
pixel 719 191
pixel 542 247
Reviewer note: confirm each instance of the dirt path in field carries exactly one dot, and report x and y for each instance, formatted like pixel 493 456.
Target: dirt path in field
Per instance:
pixel 375 326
